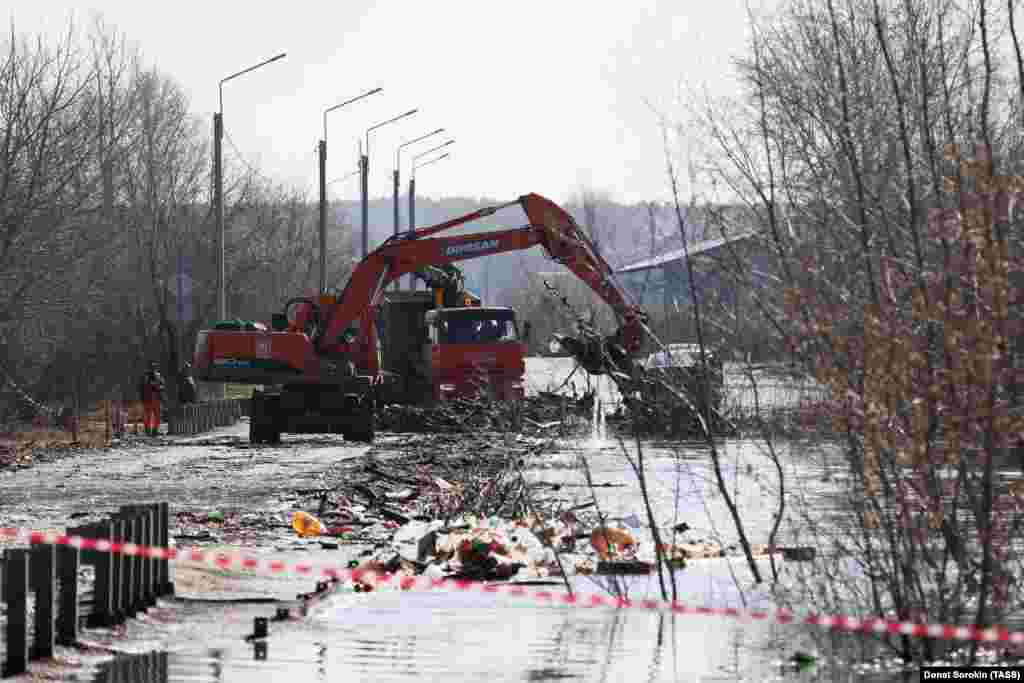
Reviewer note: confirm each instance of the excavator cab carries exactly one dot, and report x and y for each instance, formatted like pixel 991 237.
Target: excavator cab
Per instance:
pixel 475 349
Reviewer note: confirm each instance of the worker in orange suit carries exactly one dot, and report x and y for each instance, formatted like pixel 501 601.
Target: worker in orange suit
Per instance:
pixel 152 390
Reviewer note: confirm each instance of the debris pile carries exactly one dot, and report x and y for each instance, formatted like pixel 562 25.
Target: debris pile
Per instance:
pixel 665 418
pixel 470 415
pixel 458 506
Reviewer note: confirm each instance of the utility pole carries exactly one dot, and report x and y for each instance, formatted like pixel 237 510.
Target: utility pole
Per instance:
pixel 218 200
pixel 364 170
pixel 323 190
pixel 364 165
pixel 397 184
pixel 412 189
pixel 412 202
pixel 412 178
pixel 412 219
pixel 323 215
pixel 218 180
pixel 394 178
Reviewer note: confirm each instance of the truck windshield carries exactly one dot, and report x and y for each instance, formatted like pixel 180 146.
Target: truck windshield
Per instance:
pixel 478 328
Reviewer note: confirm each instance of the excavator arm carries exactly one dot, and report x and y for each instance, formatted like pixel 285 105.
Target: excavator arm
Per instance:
pixel 549 226
pixel 567 244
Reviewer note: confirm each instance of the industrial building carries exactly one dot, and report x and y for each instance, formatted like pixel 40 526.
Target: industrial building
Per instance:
pixel 663 280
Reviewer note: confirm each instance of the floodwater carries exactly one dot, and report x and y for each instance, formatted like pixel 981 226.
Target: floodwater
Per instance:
pixel 467 636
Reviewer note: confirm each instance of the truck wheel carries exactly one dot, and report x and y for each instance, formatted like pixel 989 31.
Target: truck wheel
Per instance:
pixel 256 417
pixel 361 435
pixel 254 432
pixel 365 430
pixel 273 420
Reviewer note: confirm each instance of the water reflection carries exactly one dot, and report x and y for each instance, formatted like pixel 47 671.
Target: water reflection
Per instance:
pixel 516 644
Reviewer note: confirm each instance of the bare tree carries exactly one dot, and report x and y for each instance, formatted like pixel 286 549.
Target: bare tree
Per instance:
pixel 897 281
pixel 47 196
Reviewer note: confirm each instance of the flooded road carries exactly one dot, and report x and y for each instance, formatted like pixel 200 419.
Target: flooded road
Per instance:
pixel 218 471
pixel 410 635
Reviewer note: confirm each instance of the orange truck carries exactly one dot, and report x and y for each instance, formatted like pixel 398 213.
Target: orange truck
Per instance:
pixel 326 360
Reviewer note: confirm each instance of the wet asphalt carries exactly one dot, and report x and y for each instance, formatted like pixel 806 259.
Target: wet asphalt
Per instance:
pixel 217 471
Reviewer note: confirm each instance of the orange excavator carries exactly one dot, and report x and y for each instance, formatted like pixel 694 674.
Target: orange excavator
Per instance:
pixel 326 360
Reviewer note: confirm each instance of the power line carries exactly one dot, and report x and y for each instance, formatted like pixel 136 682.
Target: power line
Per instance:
pixel 238 153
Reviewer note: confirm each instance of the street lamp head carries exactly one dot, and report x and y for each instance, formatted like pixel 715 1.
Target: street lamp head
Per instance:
pixel 430 161
pixel 384 123
pixel 242 72
pixel 398 150
pixel 432 150
pixel 342 104
pixel 391 120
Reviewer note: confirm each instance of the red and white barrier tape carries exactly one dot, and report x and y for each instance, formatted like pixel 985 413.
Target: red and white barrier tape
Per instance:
pixel 275 566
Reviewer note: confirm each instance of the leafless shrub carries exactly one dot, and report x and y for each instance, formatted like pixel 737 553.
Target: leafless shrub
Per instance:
pixel 836 152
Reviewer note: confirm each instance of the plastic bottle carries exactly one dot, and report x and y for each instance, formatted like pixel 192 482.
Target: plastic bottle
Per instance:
pixel 306 525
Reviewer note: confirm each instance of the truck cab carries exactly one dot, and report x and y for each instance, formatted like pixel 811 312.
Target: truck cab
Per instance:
pixel 472 350
pixel 436 352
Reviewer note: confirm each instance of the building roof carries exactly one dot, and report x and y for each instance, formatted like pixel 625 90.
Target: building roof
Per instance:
pixel 694 249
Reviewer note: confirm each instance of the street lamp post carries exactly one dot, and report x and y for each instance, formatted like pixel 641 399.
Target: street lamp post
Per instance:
pixel 397 185
pixel 218 182
pixel 364 165
pixel 398 166
pixel 412 186
pixel 323 188
pixel 412 178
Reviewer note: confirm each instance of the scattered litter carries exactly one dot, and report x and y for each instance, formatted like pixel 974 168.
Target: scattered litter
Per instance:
pixel 306 525
pixel 609 542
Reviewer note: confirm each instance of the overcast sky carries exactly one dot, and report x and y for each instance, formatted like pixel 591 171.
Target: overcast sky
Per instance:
pixel 540 96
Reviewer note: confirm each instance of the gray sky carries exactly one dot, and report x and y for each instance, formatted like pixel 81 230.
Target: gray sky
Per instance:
pixel 540 96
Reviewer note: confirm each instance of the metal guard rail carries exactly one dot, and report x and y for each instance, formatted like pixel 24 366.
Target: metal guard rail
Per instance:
pixel 186 420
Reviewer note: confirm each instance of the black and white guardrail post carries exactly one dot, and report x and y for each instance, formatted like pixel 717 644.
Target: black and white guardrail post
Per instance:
pixel 124 584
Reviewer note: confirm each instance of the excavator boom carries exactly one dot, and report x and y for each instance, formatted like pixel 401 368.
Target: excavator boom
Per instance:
pixel 549 226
